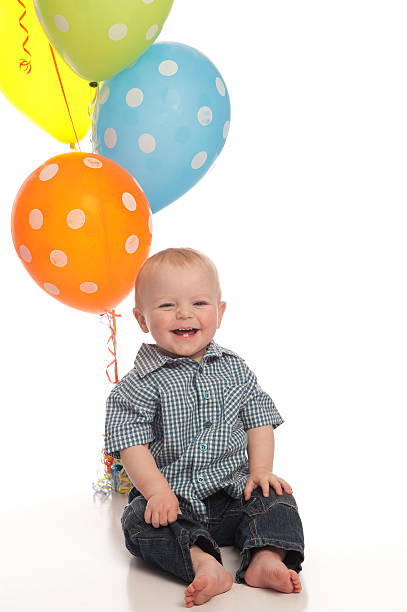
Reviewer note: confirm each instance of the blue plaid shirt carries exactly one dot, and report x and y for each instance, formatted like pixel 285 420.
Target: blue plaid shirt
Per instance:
pixel 194 417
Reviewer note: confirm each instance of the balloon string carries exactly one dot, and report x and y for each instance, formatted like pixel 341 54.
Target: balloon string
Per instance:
pixel 63 93
pixel 95 86
pixel 24 63
pixel 115 477
pixel 111 316
pixel 95 109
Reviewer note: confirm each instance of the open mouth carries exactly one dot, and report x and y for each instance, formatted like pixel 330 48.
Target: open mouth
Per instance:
pixel 185 331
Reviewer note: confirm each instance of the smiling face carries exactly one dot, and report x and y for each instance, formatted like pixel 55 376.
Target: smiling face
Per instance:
pixel 180 307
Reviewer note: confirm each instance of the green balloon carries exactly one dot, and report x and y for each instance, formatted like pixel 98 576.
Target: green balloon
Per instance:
pixel 99 38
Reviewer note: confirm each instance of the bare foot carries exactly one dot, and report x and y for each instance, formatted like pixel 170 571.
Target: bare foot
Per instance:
pixel 267 571
pixel 211 578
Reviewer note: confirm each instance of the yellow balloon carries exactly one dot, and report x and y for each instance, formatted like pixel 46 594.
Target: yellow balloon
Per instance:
pixel 35 78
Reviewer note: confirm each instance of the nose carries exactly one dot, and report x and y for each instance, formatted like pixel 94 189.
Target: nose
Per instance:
pixel 183 312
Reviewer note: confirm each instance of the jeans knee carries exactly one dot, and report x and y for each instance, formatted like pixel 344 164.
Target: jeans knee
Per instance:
pixel 133 517
pixel 258 503
pixel 286 498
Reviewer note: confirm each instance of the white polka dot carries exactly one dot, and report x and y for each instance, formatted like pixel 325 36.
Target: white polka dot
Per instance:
pixel 25 253
pixel 129 201
pixel 220 86
pixel 226 129
pixel 132 243
pixel 104 94
pixel 118 31
pixel 49 172
pixel 35 219
pixel 205 115
pixel 76 218
pixel 148 1
pixel 58 258
pixel 199 160
pixel 110 138
pixel 151 32
pixel 168 68
pixel 134 97
pixel 61 23
pixel 146 143
pixel 88 287
pixel 92 162
pixel 150 224
pixel 51 288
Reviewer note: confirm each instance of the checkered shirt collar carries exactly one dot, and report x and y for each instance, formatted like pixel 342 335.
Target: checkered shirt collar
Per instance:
pixel 150 358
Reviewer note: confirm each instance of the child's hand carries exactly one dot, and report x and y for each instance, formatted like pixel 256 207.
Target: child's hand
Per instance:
pixel 162 508
pixel 263 478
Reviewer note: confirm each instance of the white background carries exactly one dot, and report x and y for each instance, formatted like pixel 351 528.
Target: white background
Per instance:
pixel 304 214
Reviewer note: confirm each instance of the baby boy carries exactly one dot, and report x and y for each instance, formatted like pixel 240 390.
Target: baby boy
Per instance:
pixel 194 431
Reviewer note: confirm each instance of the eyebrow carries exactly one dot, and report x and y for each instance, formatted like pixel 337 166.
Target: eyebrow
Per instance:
pixel 163 299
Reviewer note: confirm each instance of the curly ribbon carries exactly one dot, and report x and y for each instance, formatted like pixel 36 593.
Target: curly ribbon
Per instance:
pixel 63 93
pixel 26 66
pixel 107 461
pixel 115 477
pixel 24 63
pixel 111 316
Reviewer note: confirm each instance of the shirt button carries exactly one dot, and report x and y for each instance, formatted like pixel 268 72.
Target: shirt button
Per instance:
pixel 207 424
pixel 204 447
pixel 206 395
pixel 200 479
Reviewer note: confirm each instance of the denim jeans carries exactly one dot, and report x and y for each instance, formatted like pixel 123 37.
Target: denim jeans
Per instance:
pixel 257 522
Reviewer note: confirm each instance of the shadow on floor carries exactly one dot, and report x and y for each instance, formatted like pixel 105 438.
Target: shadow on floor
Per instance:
pixel 151 588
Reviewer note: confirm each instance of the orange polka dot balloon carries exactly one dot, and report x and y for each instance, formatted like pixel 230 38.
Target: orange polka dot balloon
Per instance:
pixel 82 228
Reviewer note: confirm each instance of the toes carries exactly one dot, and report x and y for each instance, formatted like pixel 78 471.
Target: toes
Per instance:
pixel 189 601
pixel 296 581
pixel 198 584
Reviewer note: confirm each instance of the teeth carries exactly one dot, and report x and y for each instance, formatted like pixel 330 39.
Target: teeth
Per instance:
pixel 188 331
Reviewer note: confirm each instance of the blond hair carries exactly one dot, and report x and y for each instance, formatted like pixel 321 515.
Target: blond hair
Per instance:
pixel 178 257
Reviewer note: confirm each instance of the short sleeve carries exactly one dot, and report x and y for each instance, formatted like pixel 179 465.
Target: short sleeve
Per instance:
pixel 258 408
pixel 130 411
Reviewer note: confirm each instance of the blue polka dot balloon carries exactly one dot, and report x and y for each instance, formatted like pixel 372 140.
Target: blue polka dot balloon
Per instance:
pixel 165 120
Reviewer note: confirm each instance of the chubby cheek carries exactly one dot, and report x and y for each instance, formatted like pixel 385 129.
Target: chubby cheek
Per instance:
pixel 159 323
pixel 209 321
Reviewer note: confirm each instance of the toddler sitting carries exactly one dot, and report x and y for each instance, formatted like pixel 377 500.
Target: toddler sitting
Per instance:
pixel 194 431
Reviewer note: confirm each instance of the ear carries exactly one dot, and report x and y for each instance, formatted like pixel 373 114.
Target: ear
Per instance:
pixel 221 311
pixel 141 320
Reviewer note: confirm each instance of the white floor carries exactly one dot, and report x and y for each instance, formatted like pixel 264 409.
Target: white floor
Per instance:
pixel 73 558
pixel 305 216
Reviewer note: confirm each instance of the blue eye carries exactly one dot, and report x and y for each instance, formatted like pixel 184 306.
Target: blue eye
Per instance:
pixel 165 305
pixel 200 303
